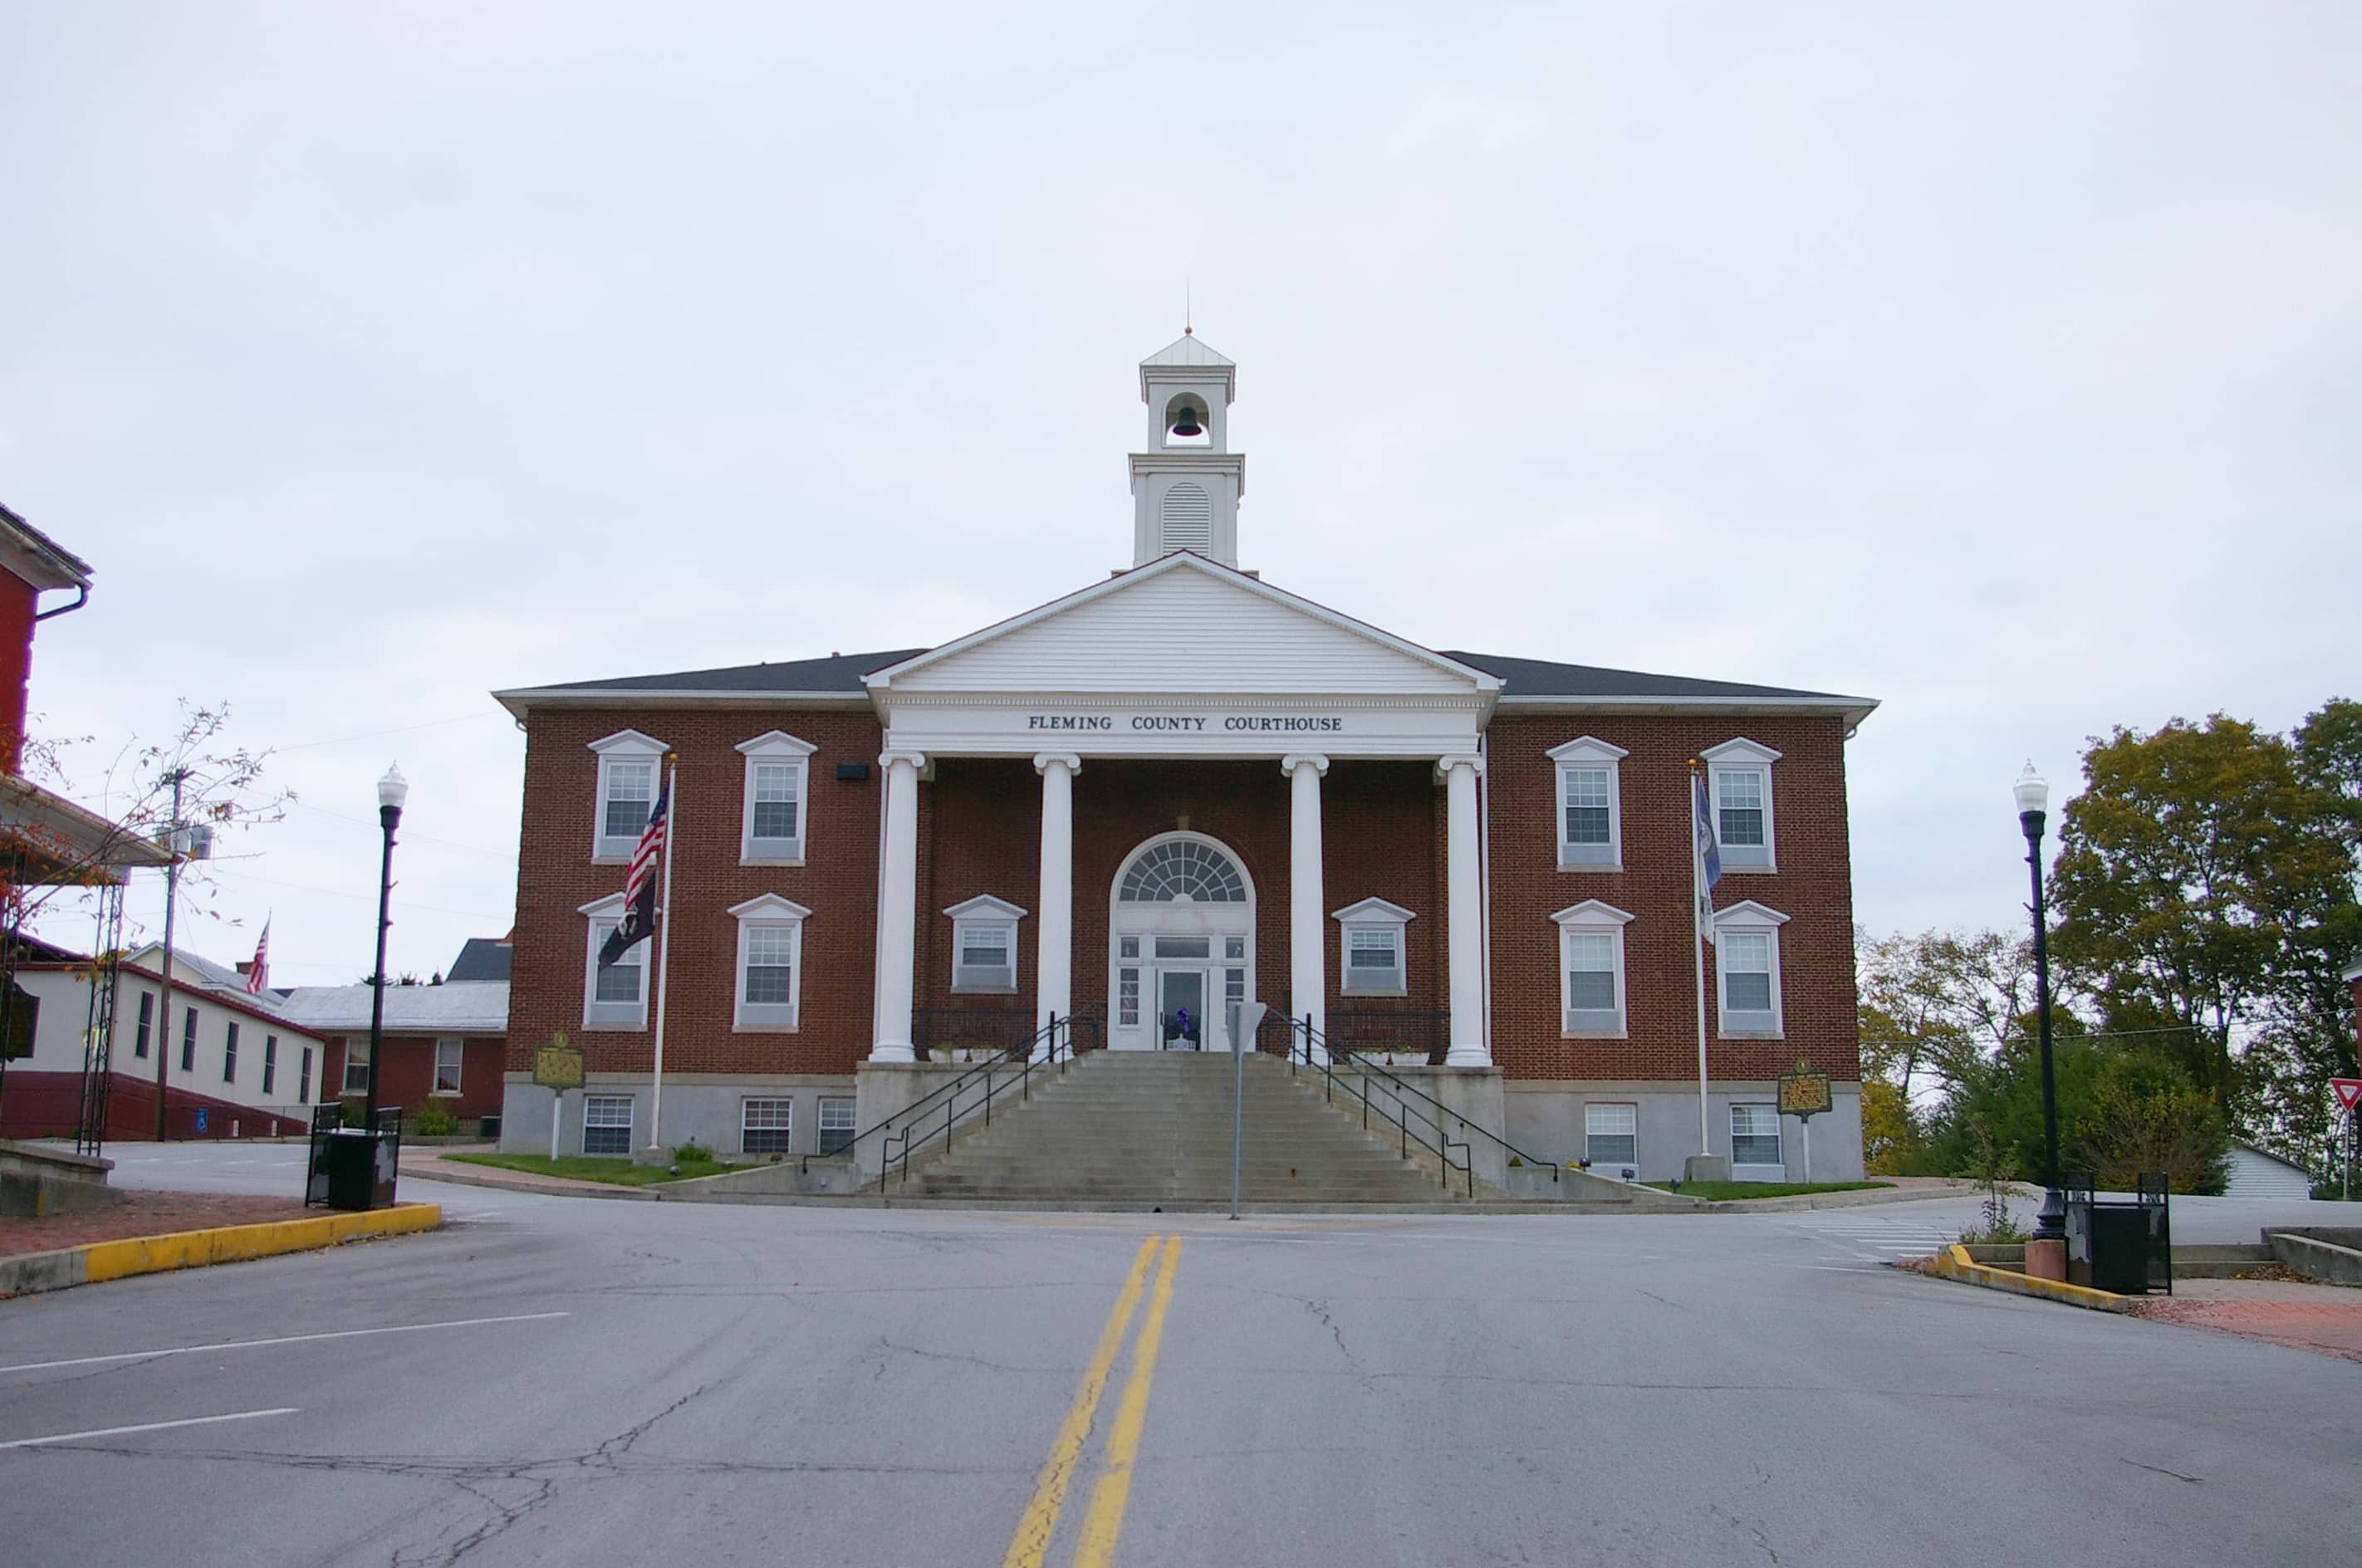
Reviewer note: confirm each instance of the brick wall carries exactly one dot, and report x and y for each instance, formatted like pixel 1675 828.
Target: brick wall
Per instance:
pixel 1813 886
pixel 838 884
pixel 406 1074
pixel 979 826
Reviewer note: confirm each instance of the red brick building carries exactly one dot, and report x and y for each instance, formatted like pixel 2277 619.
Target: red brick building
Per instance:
pixel 1178 787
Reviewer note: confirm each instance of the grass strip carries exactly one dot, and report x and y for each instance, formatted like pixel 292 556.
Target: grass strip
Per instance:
pixel 618 1171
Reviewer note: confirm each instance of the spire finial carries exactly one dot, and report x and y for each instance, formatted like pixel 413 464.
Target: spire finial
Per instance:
pixel 1188 328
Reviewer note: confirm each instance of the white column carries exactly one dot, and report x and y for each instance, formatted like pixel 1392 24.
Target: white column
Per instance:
pixel 1306 934
pixel 1054 961
pixel 1463 913
pixel 898 908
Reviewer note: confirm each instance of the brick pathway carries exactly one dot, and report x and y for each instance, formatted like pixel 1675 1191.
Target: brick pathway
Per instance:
pixel 142 1214
pixel 2324 1318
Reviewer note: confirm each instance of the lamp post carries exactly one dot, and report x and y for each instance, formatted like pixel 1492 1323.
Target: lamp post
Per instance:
pixel 392 791
pixel 2032 807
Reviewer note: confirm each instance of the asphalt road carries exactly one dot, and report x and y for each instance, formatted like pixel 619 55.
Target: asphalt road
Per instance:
pixel 558 1378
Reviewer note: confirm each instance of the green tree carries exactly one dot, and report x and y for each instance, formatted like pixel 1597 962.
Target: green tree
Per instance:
pixel 2202 878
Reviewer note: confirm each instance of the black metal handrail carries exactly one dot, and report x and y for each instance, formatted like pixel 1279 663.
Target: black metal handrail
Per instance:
pixel 1328 1063
pixel 915 1123
pixel 1301 1033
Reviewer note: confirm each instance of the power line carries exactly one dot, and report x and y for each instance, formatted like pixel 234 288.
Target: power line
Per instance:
pixel 399 730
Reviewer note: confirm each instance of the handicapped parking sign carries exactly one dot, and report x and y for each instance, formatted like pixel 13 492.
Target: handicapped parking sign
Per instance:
pixel 200 1119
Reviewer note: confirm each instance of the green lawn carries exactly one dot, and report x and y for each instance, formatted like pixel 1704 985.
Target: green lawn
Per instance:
pixel 592 1167
pixel 1717 1191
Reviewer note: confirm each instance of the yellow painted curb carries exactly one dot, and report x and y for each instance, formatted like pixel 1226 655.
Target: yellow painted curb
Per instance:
pixel 1954 1263
pixel 234 1244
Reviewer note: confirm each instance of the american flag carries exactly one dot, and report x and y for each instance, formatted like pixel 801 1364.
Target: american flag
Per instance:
pixel 640 886
pixel 257 973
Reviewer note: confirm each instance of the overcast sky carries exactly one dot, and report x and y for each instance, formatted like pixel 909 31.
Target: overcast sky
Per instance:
pixel 2002 362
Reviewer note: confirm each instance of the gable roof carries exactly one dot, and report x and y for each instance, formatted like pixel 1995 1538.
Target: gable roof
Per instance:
pixel 481 959
pixel 478 1006
pixel 1188 563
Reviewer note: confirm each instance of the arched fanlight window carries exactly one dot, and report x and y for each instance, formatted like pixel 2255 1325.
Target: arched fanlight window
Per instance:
pixel 1183 868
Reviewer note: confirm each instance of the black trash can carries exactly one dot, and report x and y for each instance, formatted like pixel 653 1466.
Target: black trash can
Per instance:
pixel 353 1169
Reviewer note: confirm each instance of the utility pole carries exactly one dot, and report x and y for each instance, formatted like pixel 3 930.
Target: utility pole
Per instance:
pixel 179 776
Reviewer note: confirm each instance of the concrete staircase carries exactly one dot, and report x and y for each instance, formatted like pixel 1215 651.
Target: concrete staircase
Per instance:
pixel 1153 1128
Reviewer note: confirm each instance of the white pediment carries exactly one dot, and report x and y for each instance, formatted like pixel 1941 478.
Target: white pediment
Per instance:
pixel 1184 624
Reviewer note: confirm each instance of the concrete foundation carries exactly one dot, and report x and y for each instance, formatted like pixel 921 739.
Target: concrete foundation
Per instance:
pixel 1546 1120
pixel 36 1182
pixel 700 1106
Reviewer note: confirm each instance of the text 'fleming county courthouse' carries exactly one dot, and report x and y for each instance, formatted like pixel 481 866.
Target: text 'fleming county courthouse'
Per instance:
pixel 1175 786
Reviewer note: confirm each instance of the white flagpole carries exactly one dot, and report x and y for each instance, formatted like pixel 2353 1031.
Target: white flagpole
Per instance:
pixel 1697 950
pixel 664 949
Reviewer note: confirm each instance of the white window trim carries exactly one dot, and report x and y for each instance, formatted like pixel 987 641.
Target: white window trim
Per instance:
pixel 1743 755
pixel 1633 1163
pixel 1589 752
pixel 1755 1170
pixel 773 748
pixel 821 1129
pixel 987 914
pixel 614 1021
pixel 631 1127
pixel 1372 914
pixel 355 1050
pixel 768 911
pixel 1592 917
pixel 1752 918
pixel 624 746
pixel 458 1076
pixel 745 1101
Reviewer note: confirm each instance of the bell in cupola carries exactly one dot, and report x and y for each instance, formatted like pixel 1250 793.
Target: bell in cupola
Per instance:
pixel 1186 426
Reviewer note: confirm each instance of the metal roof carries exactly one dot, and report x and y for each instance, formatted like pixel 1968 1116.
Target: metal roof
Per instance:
pixel 1188 349
pixel 479 1007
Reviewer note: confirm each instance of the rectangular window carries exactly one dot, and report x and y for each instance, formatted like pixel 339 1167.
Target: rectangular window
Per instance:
pixel 269 1063
pixel 229 1052
pixel 631 790
pixel 835 1122
pixel 1184 947
pixel 304 1078
pixel 615 990
pixel 765 1125
pixel 1373 958
pixel 189 1041
pixel 607 1124
pixel 987 958
pixel 1739 804
pixel 1234 948
pixel 1746 964
pixel 1128 947
pixel 448 1056
pixel 778 809
pixel 147 1021
pixel 1611 1134
pixel 1754 1136
pixel 356 1067
pixel 1586 806
pixel 1127 998
pixel 1590 971
pixel 770 965
pixel 1234 985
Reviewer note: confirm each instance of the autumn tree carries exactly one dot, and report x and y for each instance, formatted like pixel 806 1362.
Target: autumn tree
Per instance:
pixel 2204 880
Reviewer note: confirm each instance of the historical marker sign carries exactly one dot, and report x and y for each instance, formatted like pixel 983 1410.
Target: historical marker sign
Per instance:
pixel 1803 1093
pixel 558 1065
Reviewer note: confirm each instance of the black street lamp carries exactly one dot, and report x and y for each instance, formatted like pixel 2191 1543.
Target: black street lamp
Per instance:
pixel 2033 806
pixel 392 791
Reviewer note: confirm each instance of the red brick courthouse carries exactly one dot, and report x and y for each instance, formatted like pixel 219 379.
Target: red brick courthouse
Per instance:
pixel 1180 786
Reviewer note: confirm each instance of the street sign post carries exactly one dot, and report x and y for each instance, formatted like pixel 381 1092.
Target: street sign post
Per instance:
pixel 1804 1094
pixel 2349 1094
pixel 556 1066
pixel 1245 1019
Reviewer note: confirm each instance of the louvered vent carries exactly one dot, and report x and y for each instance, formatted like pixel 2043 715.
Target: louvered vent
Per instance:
pixel 1187 520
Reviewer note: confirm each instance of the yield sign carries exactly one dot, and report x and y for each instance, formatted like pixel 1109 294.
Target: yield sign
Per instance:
pixel 2349 1091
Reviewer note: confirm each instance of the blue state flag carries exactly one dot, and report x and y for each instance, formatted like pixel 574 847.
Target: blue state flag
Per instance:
pixel 1710 858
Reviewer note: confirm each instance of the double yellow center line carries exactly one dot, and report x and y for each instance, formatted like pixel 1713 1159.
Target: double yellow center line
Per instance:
pixel 1104 1523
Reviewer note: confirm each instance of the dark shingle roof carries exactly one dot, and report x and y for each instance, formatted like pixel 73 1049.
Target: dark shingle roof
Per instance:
pixel 483 958
pixel 1541 677
pixel 838 672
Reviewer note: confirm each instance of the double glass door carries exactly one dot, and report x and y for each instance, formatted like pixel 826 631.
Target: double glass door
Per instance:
pixel 1181 1009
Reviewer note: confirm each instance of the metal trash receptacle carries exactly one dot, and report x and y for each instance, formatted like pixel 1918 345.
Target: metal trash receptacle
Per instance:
pixel 345 1173
pixel 2124 1248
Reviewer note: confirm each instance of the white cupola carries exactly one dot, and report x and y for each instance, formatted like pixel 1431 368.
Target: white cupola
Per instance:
pixel 1186 487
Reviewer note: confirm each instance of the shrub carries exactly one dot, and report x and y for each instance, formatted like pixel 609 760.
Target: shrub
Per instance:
pixel 434 1120
pixel 691 1152
pixel 2132 1128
